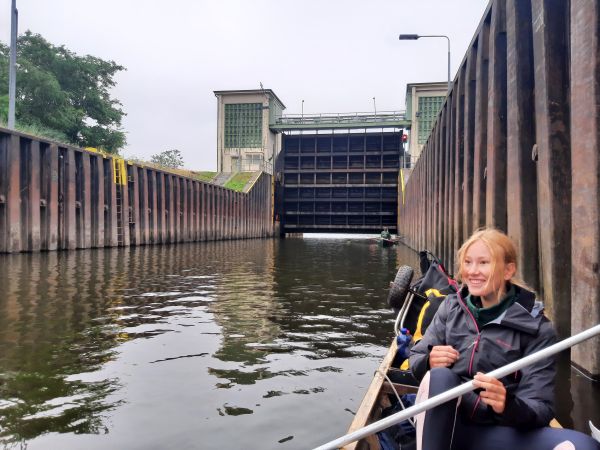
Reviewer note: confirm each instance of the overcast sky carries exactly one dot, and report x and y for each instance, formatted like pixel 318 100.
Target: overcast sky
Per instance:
pixel 335 54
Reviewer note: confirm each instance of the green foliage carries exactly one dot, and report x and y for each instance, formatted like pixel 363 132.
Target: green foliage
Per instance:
pixel 135 159
pixel 205 176
pixel 61 91
pixel 168 158
pixel 45 132
pixel 3 108
pixel 239 181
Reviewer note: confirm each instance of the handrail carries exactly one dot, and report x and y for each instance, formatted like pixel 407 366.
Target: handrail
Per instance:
pixel 460 390
pixel 365 113
pixel 341 117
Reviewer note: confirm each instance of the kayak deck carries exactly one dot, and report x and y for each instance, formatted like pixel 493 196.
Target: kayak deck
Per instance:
pixel 375 400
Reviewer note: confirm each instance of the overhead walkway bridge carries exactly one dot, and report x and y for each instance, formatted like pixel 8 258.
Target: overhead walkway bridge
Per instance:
pixel 348 121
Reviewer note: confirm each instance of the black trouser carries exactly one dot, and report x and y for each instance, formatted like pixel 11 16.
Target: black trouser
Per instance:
pixel 442 428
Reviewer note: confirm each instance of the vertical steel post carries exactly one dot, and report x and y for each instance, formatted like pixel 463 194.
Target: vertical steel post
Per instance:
pixel 449 82
pixel 12 71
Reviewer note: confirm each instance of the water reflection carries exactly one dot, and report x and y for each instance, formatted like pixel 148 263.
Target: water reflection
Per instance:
pixel 43 340
pixel 169 346
pixel 246 303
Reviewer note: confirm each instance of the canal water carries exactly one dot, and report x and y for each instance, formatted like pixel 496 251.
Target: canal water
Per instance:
pixel 255 344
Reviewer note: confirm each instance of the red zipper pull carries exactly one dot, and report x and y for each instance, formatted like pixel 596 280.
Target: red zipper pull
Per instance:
pixel 475 346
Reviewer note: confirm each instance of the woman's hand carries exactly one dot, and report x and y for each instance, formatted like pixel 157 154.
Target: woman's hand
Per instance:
pixel 494 392
pixel 442 356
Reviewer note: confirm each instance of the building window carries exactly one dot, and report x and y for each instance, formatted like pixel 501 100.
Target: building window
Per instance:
pixel 428 110
pixel 255 158
pixel 243 125
pixel 252 162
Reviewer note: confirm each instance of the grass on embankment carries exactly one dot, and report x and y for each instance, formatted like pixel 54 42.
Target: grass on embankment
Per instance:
pixel 205 176
pixel 42 133
pixel 56 136
pixel 239 180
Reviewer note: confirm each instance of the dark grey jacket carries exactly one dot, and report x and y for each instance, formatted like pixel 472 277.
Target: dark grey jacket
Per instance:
pixel 522 329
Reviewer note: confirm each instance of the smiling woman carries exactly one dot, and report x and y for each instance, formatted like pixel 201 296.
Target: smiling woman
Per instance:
pixel 491 321
pixel 487 261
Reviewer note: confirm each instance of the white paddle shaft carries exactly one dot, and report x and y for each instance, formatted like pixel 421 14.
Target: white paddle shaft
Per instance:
pixel 460 390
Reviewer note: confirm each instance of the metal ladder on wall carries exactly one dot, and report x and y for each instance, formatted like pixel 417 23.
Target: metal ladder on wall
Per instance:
pixel 120 178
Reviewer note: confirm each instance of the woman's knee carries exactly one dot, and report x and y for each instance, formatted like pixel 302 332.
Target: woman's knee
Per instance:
pixel 579 444
pixel 566 445
pixel 579 441
pixel 441 379
pixel 571 439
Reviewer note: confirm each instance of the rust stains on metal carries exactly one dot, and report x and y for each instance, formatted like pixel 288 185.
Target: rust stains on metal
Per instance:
pixel 61 198
pixel 523 156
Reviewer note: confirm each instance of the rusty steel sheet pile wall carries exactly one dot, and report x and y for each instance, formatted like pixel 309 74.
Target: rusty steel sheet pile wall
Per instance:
pixel 55 197
pixel 516 147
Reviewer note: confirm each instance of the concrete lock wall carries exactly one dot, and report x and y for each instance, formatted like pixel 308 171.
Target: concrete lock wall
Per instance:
pixel 516 147
pixel 55 197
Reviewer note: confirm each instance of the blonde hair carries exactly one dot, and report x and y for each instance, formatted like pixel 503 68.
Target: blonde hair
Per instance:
pixel 501 247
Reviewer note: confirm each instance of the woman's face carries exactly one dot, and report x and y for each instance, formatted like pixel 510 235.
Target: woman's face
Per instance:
pixel 482 278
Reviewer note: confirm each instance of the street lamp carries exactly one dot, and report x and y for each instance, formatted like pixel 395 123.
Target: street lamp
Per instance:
pixel 414 37
pixel 374 106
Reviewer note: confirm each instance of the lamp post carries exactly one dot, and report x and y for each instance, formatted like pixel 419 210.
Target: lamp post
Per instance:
pixel 374 106
pixel 302 120
pixel 414 37
pixel 12 70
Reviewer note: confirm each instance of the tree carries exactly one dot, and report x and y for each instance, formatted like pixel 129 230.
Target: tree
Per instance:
pixel 168 158
pixel 4 108
pixel 64 92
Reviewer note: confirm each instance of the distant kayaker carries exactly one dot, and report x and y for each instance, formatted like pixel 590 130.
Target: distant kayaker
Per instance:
pixel 385 234
pixel 493 320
